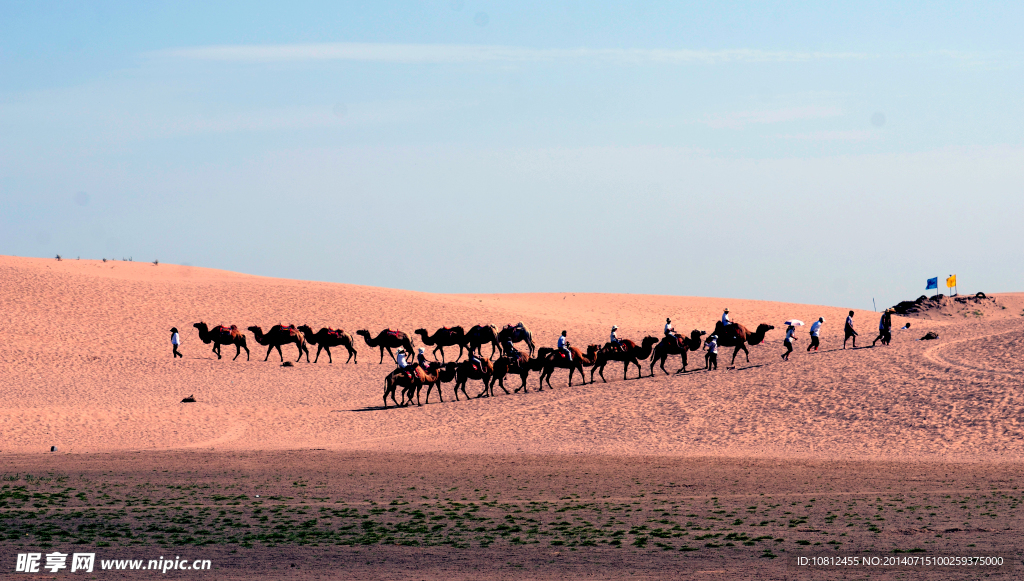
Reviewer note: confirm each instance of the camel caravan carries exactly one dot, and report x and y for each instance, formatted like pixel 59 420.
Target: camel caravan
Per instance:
pixel 504 362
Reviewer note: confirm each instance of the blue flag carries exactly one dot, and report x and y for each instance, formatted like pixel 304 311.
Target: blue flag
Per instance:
pixel 932 283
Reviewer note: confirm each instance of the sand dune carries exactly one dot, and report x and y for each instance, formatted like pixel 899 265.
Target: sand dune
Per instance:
pixel 87 367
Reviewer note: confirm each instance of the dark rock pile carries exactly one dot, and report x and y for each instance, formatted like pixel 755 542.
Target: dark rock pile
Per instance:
pixel 923 304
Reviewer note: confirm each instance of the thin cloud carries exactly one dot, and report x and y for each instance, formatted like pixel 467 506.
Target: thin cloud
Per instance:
pixel 851 135
pixel 449 53
pixel 741 119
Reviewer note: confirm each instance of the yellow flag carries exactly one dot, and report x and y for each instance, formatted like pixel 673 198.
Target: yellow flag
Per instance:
pixel 951 281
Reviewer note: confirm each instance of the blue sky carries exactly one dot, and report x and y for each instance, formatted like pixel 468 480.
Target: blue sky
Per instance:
pixel 808 152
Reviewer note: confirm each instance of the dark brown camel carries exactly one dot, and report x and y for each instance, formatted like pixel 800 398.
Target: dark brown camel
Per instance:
pixel 507 366
pixel 630 353
pixel 465 371
pixel 478 336
pixel 445 374
pixel 387 339
pixel 675 346
pixel 553 359
pixel 410 381
pixel 515 334
pixel 280 335
pixel 443 337
pixel 221 335
pixel 326 338
pixel 738 336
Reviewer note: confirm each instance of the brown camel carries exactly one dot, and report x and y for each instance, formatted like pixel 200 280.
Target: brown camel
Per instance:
pixel 738 336
pixel 515 334
pixel 678 345
pixel 387 339
pixel 221 335
pixel 554 359
pixel 280 335
pixel 466 370
pixel 478 336
pixel 326 338
pixel 445 374
pixel 443 337
pixel 410 381
pixel 630 353
pixel 507 366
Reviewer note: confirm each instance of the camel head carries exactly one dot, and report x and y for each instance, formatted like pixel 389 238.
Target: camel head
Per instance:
pixel 255 330
pixel 592 350
pixel 201 326
pixel 763 328
pixel 422 332
pixel 696 335
pixel 363 333
pixel 648 341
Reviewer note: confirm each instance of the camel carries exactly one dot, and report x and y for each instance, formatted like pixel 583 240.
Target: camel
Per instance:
pixel 221 335
pixel 738 336
pixel 630 353
pixel 280 335
pixel 410 381
pixel 466 371
pixel 443 337
pixel 677 346
pixel 505 366
pixel 515 334
pixel 554 359
pixel 387 339
pixel 445 374
pixel 326 338
pixel 480 334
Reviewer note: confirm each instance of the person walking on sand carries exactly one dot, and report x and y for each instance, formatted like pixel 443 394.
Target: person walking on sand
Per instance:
pixel 175 341
pixel 884 328
pixel 815 329
pixel 711 357
pixel 849 332
pixel 790 337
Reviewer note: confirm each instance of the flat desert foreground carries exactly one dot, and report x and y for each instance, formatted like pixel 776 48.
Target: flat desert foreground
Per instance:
pixel 912 447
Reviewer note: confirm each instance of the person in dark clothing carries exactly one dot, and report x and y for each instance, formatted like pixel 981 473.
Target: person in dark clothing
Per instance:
pixel 884 328
pixel 849 332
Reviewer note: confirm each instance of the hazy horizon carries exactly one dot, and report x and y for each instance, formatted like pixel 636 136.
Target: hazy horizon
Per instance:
pixel 797 152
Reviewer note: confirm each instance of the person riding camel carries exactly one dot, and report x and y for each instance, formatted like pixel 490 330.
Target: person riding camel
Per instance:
pixel 669 330
pixel 511 352
pixel 726 320
pixel 614 339
pixel 563 346
pixel 421 358
pixel 475 362
pixel 403 364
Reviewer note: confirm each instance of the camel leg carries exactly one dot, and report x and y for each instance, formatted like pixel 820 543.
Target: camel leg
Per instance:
pixel 434 353
pixel 318 349
pixel 269 349
pixel 391 354
pixel 216 349
pixel 460 354
pixel 381 355
pixel 330 358
pixel 522 378
pixel 351 354
pixel 501 384
pixel 238 351
pixel 280 353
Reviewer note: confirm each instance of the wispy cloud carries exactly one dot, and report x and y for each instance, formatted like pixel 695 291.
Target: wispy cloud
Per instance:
pixel 741 119
pixel 851 135
pixel 449 53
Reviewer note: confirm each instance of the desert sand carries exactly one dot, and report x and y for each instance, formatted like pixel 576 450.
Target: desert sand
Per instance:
pixel 87 367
